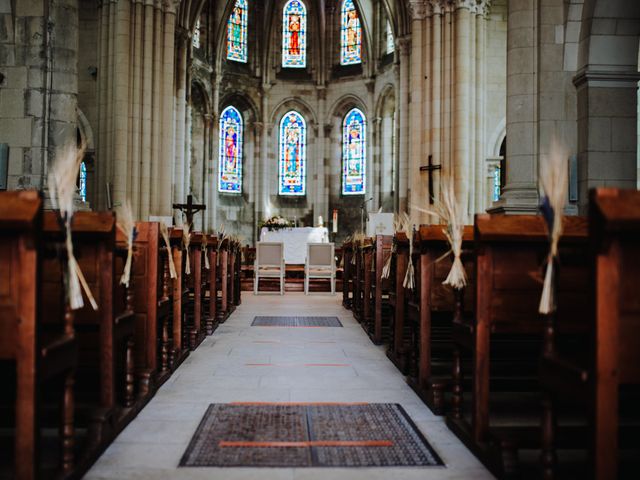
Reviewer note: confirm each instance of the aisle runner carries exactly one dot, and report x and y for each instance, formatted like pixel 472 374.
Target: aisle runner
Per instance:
pixel 296 322
pixel 308 435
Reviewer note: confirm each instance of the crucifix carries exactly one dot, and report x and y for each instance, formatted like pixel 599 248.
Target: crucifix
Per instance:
pixel 430 168
pixel 189 209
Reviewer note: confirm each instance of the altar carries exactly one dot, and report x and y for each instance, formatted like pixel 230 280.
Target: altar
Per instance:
pixel 295 241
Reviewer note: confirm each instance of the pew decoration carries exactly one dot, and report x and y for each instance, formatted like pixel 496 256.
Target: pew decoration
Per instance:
pixel 205 251
pixel 127 226
pixel 164 231
pixel 451 213
pixel 553 183
pixel 401 223
pixel 186 242
pixel 410 277
pixel 358 240
pixel 222 236
pixel 62 188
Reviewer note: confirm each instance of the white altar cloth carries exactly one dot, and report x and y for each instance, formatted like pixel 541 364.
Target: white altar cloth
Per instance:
pixel 295 241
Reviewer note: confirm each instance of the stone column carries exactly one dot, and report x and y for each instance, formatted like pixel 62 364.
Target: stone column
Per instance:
pixel 136 96
pixel 147 113
pixel 180 113
pixel 437 96
pixel 320 201
pixel 258 136
pixel 520 194
pixel 404 48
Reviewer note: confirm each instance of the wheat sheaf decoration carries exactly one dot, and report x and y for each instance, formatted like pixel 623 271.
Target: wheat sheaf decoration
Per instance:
pixel 127 226
pixel 401 223
pixel 222 236
pixel 62 176
pixel 164 231
pixel 186 243
pixel 553 184
pixel 205 252
pixel 451 213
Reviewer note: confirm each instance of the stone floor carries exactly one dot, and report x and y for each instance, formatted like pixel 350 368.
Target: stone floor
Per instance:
pixel 220 371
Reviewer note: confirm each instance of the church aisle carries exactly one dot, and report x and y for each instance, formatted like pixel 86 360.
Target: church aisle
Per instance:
pixel 240 363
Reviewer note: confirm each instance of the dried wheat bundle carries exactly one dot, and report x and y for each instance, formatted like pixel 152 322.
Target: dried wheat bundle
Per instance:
pixel 410 276
pixel 205 252
pixel 450 212
pixel 186 242
pixel 553 182
pixel 401 223
pixel 62 188
pixel 346 240
pixel 357 239
pixel 164 231
pixel 127 226
pixel 222 235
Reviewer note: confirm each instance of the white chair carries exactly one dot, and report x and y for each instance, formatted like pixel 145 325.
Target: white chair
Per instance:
pixel 321 263
pixel 269 263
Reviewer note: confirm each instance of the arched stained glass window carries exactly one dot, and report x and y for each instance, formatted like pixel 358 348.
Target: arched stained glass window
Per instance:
pixel 230 157
pixel 350 35
pixel 391 44
pixel 293 154
pixel 196 35
pixel 354 151
pixel 237 32
pixel 294 34
pixel 82 182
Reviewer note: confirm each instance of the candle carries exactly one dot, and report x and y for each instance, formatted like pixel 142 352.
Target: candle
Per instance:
pixel 335 220
pixel 320 222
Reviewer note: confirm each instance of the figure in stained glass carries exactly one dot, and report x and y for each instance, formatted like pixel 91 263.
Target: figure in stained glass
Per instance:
pixel 292 154
pixel 230 162
pixel 354 153
pixel 237 32
pixel 351 37
pixel 294 40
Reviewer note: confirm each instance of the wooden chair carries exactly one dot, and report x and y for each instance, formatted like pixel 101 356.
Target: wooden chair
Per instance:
pixel 600 379
pixel 269 264
pixel 27 354
pixel 321 263
pixel 505 337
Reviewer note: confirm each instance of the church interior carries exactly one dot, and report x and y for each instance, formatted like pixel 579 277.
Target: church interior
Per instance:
pixel 319 239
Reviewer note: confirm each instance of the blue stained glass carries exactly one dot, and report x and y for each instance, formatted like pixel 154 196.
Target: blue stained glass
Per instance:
pixel 354 151
pixel 82 183
pixel 391 44
pixel 293 151
pixel 350 35
pixel 496 183
pixel 294 34
pixel 230 156
pixel 237 32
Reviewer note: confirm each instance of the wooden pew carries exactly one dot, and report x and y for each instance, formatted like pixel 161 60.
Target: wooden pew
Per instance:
pixel 599 380
pixel 378 328
pixel 505 337
pixel 103 391
pixel 179 331
pixel 400 342
pixel 211 294
pixel 430 311
pixel 359 279
pixel 222 308
pixel 237 275
pixel 28 356
pixel 347 272
pixel 197 283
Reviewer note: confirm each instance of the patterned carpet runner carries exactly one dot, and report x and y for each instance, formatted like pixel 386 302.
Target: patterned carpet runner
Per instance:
pixel 296 322
pixel 308 435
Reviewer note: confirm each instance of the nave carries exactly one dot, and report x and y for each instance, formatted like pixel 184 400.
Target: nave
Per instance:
pixel 241 363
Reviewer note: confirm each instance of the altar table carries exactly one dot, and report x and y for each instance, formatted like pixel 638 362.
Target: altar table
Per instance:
pixel 295 241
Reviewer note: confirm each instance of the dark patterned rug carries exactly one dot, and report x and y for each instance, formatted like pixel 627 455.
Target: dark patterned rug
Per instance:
pixel 296 322
pixel 308 435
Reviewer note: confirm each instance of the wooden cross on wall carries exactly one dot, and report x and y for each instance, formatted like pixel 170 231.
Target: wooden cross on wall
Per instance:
pixel 189 209
pixel 430 168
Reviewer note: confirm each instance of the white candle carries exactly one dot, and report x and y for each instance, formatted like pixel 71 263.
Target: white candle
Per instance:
pixel 320 222
pixel 335 221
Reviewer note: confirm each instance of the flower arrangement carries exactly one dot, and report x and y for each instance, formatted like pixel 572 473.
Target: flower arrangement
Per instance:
pixel 276 223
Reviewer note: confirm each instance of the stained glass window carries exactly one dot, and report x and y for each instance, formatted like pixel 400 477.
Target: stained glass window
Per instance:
pixel 82 182
pixel 391 44
pixel 497 184
pixel 196 35
pixel 230 157
pixel 351 35
pixel 293 154
pixel 237 32
pixel 354 150
pixel 294 34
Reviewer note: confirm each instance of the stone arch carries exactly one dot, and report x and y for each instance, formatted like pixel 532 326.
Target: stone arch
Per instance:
pixel 346 103
pixel 294 103
pixel 243 103
pixel 496 138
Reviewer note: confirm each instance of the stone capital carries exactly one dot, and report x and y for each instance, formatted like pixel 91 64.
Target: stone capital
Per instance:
pixel 328 128
pixel 418 9
pixel 403 45
pixel 171 6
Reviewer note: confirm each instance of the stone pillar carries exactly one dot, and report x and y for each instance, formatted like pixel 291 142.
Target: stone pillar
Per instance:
pixel 258 136
pixel 320 202
pixel 180 113
pixel 404 48
pixel 520 194
pixel 437 97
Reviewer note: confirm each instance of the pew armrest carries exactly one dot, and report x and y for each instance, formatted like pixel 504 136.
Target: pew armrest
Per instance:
pixel 564 376
pixel 58 354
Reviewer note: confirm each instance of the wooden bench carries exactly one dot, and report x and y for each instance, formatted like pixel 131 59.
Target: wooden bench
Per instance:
pixel 600 379
pixel 347 273
pixel 223 280
pixel 211 293
pixel 180 301
pixel 28 356
pixel 430 311
pixel 400 342
pixel 197 283
pixel 378 326
pixel 505 337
